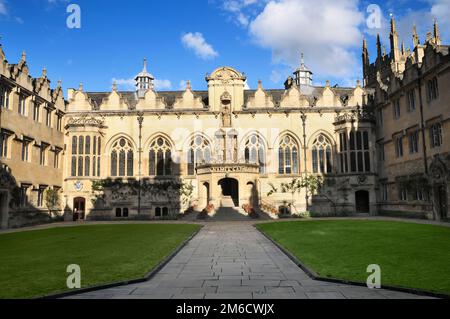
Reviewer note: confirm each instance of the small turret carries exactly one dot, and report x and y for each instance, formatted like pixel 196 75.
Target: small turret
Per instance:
pixel 144 81
pixel 303 76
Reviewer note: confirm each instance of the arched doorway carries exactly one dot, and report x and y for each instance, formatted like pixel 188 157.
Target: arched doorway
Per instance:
pixel 440 192
pixel 362 202
pixel 3 210
pixel 230 189
pixel 79 208
pixel 205 195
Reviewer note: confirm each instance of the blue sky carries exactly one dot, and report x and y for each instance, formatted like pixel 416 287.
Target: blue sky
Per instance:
pixel 184 40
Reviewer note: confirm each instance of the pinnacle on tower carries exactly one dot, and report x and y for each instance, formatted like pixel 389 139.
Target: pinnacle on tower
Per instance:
pixel 395 52
pixel 437 38
pixel 24 56
pixel 378 46
pixel 416 39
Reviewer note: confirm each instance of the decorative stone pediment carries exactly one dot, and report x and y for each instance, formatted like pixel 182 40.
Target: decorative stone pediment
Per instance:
pixel 226 80
pixel 114 102
pixel 328 98
pixel 293 98
pixel 261 99
pixel 80 101
pixel 58 96
pixel 439 169
pixel 42 86
pixel 151 101
pixel 188 100
pixel 358 96
pixel 226 75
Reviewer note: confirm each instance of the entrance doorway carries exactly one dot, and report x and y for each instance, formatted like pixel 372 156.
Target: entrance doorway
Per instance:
pixel 79 208
pixel 230 189
pixel 441 201
pixel 3 210
pixel 362 201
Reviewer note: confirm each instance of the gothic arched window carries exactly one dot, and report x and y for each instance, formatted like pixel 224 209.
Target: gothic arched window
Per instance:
pixel 122 158
pixel 74 156
pixel 199 152
pixel 255 152
pixel 322 161
pixel 160 158
pixel 288 156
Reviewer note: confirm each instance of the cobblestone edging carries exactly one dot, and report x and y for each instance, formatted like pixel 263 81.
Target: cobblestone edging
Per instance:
pixel 313 275
pixel 147 277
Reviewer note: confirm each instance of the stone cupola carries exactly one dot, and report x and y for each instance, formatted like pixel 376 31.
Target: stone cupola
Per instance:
pixel 144 81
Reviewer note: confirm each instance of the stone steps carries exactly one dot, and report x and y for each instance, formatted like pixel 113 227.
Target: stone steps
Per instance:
pixel 229 214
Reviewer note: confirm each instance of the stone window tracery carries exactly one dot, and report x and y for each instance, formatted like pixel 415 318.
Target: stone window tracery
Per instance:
pixel 288 156
pixel 199 153
pixel 322 160
pixel 122 158
pixel 160 158
pixel 255 152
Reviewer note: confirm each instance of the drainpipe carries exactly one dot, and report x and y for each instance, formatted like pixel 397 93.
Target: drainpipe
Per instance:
pixel 140 121
pixel 304 117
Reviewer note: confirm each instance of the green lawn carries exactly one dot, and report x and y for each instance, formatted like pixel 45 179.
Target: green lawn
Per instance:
pixel 410 255
pixel 34 263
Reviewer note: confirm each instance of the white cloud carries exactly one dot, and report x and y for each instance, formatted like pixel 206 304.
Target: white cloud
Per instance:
pixel 327 32
pixel 183 84
pixel 241 11
pixel 162 84
pixel 130 84
pixel 246 86
pixel 197 43
pixel 3 9
pixel 124 84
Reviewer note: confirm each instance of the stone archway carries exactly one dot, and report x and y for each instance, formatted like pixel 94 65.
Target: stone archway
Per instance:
pixel 79 208
pixel 440 185
pixel 4 215
pixel 362 202
pixel 230 191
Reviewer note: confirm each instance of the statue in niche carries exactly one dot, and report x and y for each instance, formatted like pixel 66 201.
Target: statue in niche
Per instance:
pixel 235 148
pixel 232 147
pixel 226 109
pixel 220 146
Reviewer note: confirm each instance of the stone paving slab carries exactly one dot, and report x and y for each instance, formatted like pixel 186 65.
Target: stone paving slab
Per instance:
pixel 232 260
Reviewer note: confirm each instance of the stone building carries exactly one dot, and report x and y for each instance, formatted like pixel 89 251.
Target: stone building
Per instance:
pixel 378 148
pixel 31 143
pixel 412 107
pixel 230 145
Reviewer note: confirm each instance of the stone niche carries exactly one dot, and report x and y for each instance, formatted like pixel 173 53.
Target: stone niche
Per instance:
pixel 226 81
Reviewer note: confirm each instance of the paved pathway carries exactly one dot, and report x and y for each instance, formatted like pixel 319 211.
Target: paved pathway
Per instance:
pixel 234 261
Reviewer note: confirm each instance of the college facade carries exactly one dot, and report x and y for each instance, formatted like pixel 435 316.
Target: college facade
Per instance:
pixel 380 147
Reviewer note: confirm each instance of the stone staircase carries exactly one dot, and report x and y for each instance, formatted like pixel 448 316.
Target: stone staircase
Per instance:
pixel 228 212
